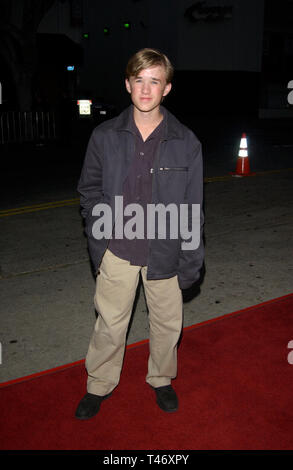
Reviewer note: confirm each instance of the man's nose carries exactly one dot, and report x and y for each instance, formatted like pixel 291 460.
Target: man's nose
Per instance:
pixel 145 88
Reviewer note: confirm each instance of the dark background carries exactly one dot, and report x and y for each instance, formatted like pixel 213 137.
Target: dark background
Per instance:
pixel 229 56
pixel 232 59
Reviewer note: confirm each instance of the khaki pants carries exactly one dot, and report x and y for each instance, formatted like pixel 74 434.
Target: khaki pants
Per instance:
pixel 115 293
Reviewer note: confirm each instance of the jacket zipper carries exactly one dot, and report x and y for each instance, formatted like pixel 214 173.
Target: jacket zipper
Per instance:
pixel 166 168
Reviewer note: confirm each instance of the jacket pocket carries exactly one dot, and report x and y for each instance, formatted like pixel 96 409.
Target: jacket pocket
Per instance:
pixel 170 184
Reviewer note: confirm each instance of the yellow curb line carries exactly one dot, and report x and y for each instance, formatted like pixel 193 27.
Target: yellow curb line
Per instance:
pixel 257 173
pixel 39 207
pixel 44 269
pixel 75 201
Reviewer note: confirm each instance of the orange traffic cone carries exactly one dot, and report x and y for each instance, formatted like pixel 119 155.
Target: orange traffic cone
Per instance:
pixel 242 166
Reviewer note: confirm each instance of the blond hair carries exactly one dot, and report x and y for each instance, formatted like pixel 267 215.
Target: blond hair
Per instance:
pixel 146 58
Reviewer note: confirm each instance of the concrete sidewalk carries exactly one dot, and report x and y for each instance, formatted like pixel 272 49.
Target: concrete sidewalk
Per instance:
pixel 47 288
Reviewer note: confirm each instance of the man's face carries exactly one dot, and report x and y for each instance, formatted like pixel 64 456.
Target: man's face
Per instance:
pixel 148 88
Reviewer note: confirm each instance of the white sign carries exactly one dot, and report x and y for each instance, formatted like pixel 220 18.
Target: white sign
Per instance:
pixel 84 107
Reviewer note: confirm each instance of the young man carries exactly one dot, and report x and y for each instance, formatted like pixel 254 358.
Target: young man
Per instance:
pixel 147 157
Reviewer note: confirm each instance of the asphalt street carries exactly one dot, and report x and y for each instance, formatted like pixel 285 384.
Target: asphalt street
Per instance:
pixel 46 284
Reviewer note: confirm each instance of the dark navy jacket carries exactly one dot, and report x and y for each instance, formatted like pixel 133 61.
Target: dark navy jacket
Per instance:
pixel 177 178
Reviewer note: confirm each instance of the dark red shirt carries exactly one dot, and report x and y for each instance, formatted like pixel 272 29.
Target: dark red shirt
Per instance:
pixel 137 189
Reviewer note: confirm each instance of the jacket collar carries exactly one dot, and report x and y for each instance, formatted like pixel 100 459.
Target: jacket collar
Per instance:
pixel 172 127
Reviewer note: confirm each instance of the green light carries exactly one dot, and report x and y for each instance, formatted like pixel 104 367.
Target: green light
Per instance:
pixel 126 25
pixel 106 30
pixel 86 36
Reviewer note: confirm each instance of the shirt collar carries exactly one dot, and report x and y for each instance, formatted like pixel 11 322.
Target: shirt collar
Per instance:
pixel 171 127
pixel 155 133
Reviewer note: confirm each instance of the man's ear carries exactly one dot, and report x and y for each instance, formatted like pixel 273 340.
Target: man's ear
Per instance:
pixel 127 84
pixel 167 89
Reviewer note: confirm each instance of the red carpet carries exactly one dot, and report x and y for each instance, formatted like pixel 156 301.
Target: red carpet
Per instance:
pixel 235 386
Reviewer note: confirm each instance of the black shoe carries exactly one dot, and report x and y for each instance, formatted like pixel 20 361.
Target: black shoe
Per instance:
pixel 166 398
pixel 89 405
